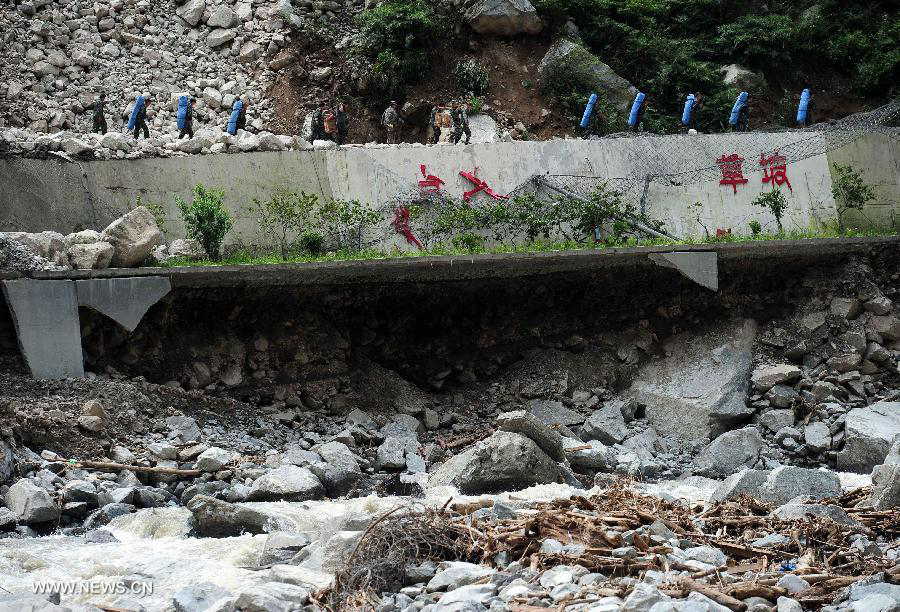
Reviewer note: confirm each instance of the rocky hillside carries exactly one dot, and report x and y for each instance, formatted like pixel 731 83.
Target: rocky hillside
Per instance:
pixel 282 56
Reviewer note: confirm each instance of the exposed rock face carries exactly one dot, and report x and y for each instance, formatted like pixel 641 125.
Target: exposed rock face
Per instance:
pixel 868 435
pixel 504 17
pixel 504 461
pixel 568 57
pixel 699 389
pixel 133 237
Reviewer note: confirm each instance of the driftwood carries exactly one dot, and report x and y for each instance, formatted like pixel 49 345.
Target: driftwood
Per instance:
pixel 716 595
pixel 116 467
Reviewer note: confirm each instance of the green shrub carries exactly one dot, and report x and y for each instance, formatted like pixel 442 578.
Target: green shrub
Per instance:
pixel 311 242
pixel 602 209
pixel 475 105
pixel 396 36
pixel 776 203
pixel 850 192
pixel 469 242
pixel 755 227
pixel 470 75
pixel 346 222
pixel 284 215
pixel 206 219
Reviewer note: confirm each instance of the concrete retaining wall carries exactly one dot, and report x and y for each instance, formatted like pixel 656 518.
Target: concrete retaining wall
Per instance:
pixel 51 194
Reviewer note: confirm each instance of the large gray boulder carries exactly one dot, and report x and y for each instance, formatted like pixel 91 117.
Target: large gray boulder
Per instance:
pixel 886 480
pixel 216 518
pixel 570 59
pixel 94 256
pixel 744 482
pixel 698 390
pixel 606 425
pixel 191 11
pixel 288 482
pixel 503 17
pixel 786 482
pixel 525 423
pixel 867 436
pixel 30 503
pixel 504 461
pixel 133 237
pixel 339 470
pixel 729 453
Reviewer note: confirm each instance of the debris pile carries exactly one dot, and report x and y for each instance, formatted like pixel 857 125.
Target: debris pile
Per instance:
pixel 620 549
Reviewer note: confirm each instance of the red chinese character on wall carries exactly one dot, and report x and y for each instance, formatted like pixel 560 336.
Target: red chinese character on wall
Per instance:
pixel 431 182
pixel 732 167
pixel 401 226
pixel 480 185
pixel 775 169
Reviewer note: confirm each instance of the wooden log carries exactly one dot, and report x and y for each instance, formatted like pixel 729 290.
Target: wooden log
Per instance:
pixel 116 467
pixel 716 595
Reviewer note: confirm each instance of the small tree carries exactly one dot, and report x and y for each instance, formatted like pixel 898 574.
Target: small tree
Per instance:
pixel 776 203
pixel 346 222
pixel 850 192
pixel 603 208
pixel 285 215
pixel 206 219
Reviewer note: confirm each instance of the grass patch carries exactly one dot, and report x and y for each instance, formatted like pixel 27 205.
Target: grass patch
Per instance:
pixel 246 258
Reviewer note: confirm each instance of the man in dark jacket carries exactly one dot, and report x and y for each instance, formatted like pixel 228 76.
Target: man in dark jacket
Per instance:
pixel 343 124
pixel 318 122
pixel 242 115
pixel 100 114
pixel 140 122
pixel 460 123
pixel 188 129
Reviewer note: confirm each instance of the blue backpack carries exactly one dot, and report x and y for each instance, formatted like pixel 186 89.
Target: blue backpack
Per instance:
pixel 803 109
pixel 588 109
pixel 635 108
pixel 738 105
pixel 688 109
pixel 183 103
pixel 138 105
pixel 235 113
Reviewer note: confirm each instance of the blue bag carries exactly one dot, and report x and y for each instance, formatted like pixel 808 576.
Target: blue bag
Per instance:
pixel 586 117
pixel 235 113
pixel 688 109
pixel 803 109
pixel 738 105
pixel 138 105
pixel 183 102
pixel 635 108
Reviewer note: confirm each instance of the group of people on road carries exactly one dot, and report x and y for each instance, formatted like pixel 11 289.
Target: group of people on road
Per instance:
pixel 330 122
pixel 137 121
pixel 446 123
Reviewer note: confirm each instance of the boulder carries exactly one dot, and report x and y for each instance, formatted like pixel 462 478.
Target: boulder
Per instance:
pixel 133 237
pixel 222 16
pixel 339 470
pixel 214 459
pixel 220 519
pixel 83 237
pixel 42 244
pixel 786 482
pixel 219 37
pixel 597 457
pixel 886 480
pixel 504 17
pixel 198 597
pixel 567 57
pixel 699 389
pixel 186 248
pixel 796 509
pixel 95 256
pixel 767 376
pixel 729 453
pixel 271 597
pixel 288 482
pixel 606 425
pixel 744 482
pixel 504 461
pixel 30 503
pixel 191 11
pixel 522 422
pixel 868 432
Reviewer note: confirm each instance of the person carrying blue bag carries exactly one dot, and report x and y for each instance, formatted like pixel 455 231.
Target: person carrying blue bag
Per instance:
pixel 186 117
pixel 238 118
pixel 740 113
pixel 138 119
pixel 804 109
pixel 637 111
